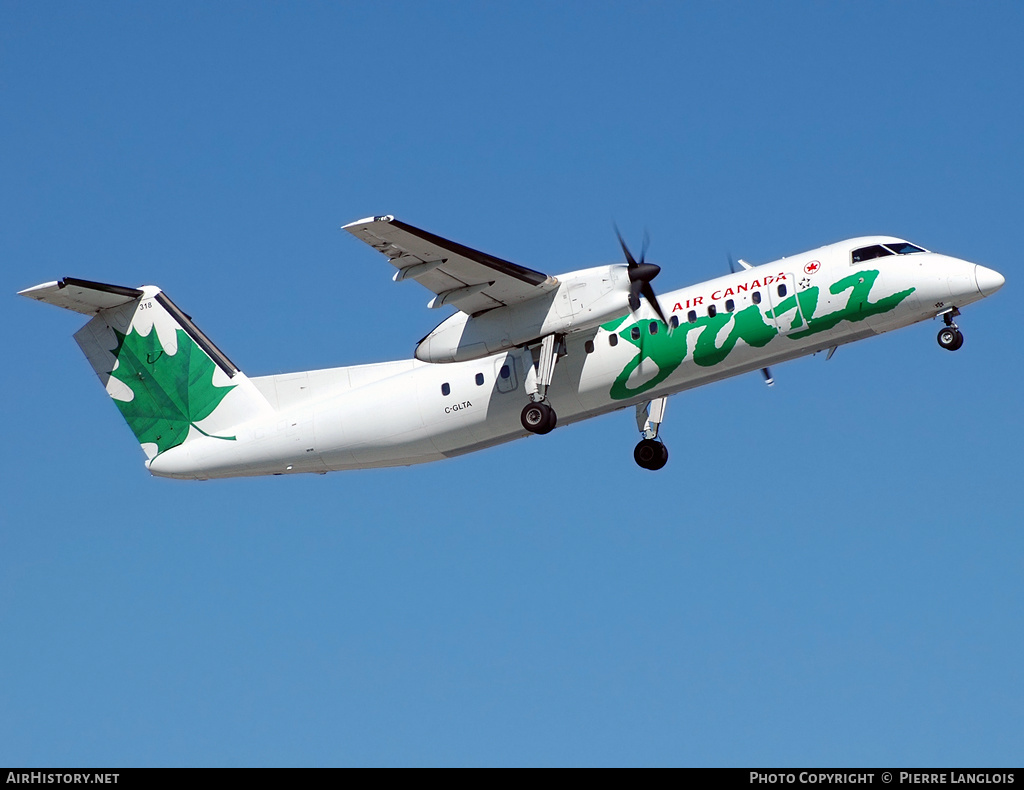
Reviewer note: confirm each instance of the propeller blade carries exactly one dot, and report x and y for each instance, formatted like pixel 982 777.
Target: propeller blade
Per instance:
pixel 629 256
pixel 634 295
pixel 648 293
pixel 732 265
pixel 767 373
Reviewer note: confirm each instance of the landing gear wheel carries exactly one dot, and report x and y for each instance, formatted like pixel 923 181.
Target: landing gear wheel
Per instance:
pixel 650 454
pixel 538 418
pixel 950 338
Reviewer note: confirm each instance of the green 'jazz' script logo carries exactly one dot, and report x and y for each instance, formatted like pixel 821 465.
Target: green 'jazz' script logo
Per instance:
pixel 172 391
pixel 667 350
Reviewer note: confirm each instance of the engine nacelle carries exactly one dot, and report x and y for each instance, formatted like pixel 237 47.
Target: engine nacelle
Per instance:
pixel 583 300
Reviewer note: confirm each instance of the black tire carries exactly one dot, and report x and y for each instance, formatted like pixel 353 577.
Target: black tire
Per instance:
pixel 552 421
pixel 650 454
pixel 538 418
pixel 949 337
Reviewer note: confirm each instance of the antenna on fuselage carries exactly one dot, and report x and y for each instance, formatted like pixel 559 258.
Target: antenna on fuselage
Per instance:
pixel 738 262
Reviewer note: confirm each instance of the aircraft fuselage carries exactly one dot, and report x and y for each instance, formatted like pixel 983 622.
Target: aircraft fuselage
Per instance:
pixel 408 412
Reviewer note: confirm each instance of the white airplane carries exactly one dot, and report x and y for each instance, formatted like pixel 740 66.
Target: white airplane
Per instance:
pixel 521 346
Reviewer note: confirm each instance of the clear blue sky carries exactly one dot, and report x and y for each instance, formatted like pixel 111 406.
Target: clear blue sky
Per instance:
pixel 828 572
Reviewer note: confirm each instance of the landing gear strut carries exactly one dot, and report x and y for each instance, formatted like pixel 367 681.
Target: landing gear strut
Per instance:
pixel 950 336
pixel 650 453
pixel 538 416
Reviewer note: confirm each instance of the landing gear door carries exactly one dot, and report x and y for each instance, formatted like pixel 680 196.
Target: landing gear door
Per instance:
pixel 786 310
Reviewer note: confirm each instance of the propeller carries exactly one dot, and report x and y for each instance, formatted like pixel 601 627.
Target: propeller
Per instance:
pixel 640 276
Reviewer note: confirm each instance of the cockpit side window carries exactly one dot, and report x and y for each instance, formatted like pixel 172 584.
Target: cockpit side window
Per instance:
pixel 903 247
pixel 870 253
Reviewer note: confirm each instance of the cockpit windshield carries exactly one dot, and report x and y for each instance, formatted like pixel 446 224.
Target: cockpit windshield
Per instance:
pixel 903 248
pixel 882 250
pixel 870 253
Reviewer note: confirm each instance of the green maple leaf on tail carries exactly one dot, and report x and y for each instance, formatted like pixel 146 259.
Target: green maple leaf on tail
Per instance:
pixel 172 391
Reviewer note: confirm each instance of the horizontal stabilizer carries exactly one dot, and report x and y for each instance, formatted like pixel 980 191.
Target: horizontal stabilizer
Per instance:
pixel 82 296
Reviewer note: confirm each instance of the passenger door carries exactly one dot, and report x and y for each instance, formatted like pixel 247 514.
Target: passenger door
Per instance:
pixel 505 373
pixel 787 313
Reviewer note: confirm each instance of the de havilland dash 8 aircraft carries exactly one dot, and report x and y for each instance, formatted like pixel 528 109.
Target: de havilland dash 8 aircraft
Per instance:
pixel 524 351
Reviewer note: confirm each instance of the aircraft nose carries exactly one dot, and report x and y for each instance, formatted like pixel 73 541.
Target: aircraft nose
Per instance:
pixel 989 280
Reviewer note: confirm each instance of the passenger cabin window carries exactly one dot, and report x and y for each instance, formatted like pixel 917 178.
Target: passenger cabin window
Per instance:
pixel 674 321
pixel 756 297
pixel 479 379
pixel 613 339
pixel 589 346
pixel 653 327
pixel 692 316
pixel 635 333
pixel 712 311
pixel 445 389
pixel 782 290
pixel 505 372
pixel 730 305
pixel 870 253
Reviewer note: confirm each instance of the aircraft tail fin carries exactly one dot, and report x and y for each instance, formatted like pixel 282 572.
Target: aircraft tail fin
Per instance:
pixel 170 382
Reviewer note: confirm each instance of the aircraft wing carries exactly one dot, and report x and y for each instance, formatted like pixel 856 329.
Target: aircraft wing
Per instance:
pixel 472 281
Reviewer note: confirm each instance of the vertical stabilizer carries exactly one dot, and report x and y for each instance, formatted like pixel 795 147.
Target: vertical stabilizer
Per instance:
pixel 170 382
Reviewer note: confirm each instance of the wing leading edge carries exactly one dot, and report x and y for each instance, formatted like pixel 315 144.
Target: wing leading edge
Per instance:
pixel 470 280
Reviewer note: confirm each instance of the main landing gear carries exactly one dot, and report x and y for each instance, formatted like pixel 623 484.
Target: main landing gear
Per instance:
pixel 538 416
pixel 650 453
pixel 950 336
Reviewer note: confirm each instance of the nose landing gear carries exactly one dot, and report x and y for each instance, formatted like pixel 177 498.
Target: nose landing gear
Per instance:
pixel 950 337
